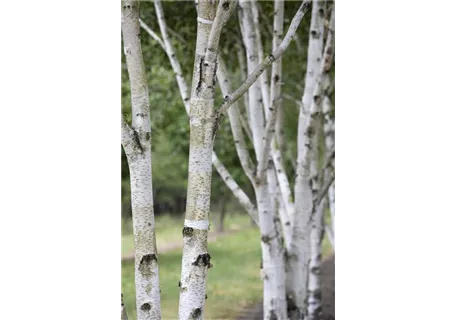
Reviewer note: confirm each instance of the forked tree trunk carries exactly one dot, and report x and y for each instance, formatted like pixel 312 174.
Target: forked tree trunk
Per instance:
pixel 123 311
pixel 137 146
pixel 196 259
pixel 300 248
pixel 167 45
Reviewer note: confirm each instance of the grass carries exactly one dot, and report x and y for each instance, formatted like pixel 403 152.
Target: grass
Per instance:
pixel 169 229
pixel 233 283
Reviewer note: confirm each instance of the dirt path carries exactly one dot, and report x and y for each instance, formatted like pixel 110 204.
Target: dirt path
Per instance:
pixel 328 295
pixel 178 244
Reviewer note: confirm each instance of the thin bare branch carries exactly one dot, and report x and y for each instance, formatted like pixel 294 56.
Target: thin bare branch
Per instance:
pixel 171 53
pixel 230 99
pixel 234 117
pixel 245 126
pixel 224 11
pixel 292 99
pixel 178 36
pixel 324 190
pixel 234 187
pixel 265 18
pixel 152 33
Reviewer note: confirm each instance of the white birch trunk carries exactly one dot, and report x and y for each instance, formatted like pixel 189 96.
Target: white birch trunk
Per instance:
pixel 300 249
pixel 316 236
pixel 255 106
pixel 274 306
pixel 264 83
pixel 330 132
pixel 184 93
pixel 136 141
pixel 241 54
pixel 314 310
pixel 196 259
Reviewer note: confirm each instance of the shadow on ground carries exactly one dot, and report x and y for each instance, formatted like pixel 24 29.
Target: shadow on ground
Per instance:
pixel 327 289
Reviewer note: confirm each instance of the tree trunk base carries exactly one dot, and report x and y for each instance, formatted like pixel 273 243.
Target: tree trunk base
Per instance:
pixel 327 290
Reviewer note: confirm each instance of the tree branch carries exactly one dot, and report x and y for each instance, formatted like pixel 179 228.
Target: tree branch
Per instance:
pixel 328 163
pixel 292 99
pixel 224 11
pixel 234 117
pixel 152 33
pixel 324 190
pixel 265 18
pixel 229 100
pixel 234 187
pixel 245 126
pixel 171 53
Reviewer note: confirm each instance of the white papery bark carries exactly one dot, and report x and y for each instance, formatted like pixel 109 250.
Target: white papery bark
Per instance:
pixel 137 146
pixel 235 122
pixel 196 259
pixel 314 309
pixel 167 45
pixel 255 106
pixel 264 83
pixel 299 254
pixel 328 128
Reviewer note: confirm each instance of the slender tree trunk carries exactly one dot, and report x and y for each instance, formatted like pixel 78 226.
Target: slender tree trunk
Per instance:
pixel 300 248
pixel 137 146
pixel 167 45
pixel 329 143
pixel 316 236
pixel 196 259
pixel 274 305
pixel 314 309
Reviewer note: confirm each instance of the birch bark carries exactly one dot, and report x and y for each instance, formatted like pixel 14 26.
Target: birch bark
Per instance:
pixel 299 254
pixel 196 259
pixel 136 142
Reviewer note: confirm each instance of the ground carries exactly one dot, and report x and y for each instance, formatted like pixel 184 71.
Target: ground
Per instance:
pixel 234 283
pixel 328 295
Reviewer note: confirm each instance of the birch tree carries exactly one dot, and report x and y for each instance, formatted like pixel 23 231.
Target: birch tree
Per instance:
pixel 285 263
pixel 196 259
pixel 263 176
pixel 137 146
pixel 170 51
pixel 300 219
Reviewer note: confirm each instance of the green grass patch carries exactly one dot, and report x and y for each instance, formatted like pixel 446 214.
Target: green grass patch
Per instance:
pixel 233 283
pixel 169 229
